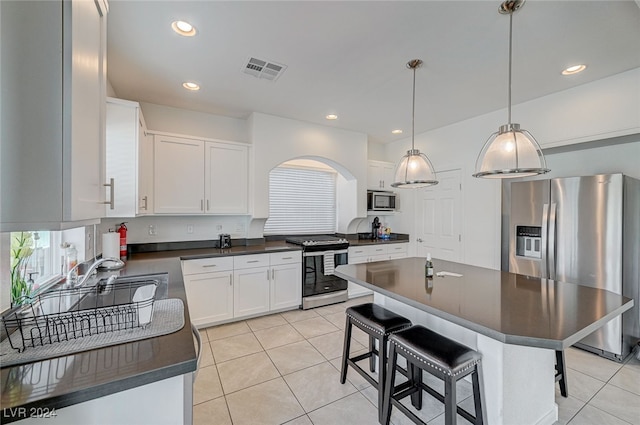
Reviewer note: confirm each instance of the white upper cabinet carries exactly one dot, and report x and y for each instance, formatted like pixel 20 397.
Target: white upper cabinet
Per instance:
pixel 129 157
pixel 54 80
pixel 199 177
pixel 178 175
pixel 380 175
pixel 226 178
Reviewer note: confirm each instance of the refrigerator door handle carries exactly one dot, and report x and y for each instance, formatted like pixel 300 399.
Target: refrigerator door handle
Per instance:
pixel 552 240
pixel 545 247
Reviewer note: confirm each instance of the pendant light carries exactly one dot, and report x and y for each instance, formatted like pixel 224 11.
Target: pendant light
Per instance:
pixel 511 151
pixel 414 169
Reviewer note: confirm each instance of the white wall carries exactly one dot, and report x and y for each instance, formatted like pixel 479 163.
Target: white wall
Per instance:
pixel 276 140
pixel 605 108
pixel 609 158
pixel 192 123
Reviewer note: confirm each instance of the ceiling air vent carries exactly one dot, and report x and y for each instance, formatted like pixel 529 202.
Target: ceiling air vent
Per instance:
pixel 263 69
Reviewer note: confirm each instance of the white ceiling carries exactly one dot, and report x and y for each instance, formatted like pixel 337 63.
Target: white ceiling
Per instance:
pixel 348 57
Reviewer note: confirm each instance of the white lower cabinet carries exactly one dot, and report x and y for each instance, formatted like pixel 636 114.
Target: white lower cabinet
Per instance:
pixel 370 253
pixel 286 286
pixel 242 286
pixel 250 291
pixel 209 293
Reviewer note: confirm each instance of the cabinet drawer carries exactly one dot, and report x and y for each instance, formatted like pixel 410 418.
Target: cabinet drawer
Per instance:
pixel 287 257
pixel 379 250
pixel 360 251
pixel 207 265
pixel 397 248
pixel 250 261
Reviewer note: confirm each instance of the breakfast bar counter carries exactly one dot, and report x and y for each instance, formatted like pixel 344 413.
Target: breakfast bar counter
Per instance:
pixel 516 322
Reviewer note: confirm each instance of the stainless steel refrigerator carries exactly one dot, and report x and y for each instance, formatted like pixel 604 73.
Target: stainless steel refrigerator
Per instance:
pixel 583 230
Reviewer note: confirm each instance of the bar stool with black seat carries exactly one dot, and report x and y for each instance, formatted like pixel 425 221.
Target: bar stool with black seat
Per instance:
pixel 378 323
pixel 440 356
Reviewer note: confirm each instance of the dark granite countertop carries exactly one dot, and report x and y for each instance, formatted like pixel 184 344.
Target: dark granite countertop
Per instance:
pixel 362 242
pixel 76 378
pixel 508 307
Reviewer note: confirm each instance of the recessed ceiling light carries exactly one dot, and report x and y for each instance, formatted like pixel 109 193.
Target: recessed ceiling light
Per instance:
pixel 574 69
pixel 332 117
pixel 190 85
pixel 183 28
pixel 398 131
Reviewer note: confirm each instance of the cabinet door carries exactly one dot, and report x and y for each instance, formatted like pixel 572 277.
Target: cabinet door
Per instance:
pixel 84 91
pixel 251 291
pixel 380 175
pixel 210 297
pixel 122 156
pixel 178 175
pixel 286 286
pixel 374 175
pixel 388 174
pixel 226 185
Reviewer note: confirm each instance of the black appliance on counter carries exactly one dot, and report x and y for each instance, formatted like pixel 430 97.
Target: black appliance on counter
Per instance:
pixel 321 254
pixel 224 241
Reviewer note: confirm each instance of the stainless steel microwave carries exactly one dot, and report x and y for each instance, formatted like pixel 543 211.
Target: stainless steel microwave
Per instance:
pixel 381 201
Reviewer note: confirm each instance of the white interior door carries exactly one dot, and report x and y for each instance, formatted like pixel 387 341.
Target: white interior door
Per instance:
pixel 438 229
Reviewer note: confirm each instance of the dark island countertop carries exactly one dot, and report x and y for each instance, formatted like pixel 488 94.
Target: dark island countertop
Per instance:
pixel 63 381
pixel 508 307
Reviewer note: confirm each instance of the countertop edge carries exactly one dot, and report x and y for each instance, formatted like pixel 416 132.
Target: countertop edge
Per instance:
pixel 491 333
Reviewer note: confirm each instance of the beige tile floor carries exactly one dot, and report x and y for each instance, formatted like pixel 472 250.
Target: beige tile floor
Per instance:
pixel 284 369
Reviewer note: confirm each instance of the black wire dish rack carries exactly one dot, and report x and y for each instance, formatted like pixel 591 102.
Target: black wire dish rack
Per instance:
pixel 64 314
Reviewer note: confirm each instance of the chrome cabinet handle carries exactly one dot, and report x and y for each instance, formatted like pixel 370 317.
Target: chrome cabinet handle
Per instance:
pixel 111 201
pixel 273 274
pixel 230 279
pixel 201 204
pixel 268 278
pixel 145 199
pixel 208 207
pixel 287 258
pixel 252 261
pixel 210 265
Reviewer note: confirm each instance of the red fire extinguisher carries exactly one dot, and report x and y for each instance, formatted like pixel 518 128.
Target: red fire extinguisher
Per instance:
pixel 122 230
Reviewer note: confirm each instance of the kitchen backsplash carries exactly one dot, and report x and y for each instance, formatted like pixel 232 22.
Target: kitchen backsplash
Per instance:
pixel 170 229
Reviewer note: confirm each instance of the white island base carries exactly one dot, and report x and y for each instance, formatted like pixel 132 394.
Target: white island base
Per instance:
pixel 519 381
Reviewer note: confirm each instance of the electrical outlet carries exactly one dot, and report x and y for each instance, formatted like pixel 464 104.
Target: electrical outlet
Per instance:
pixel 189 228
pixel 219 227
pixel 152 230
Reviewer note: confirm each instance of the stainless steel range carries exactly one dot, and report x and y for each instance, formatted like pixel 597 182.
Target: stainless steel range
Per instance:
pixel 321 254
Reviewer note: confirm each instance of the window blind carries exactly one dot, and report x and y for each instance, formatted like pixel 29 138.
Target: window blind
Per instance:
pixel 301 201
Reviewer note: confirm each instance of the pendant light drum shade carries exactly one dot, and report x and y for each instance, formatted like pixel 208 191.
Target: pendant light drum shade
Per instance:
pixel 414 170
pixel 510 152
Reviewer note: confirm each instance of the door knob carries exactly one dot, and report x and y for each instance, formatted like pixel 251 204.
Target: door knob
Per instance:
pixel 418 240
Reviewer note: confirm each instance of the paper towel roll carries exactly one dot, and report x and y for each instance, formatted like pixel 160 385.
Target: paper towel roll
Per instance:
pixel 110 247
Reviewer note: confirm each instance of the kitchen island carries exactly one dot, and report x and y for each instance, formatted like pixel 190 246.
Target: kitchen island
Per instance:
pixel 145 381
pixel 516 322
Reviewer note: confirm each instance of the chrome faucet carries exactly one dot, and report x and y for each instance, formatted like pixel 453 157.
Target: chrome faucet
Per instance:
pixel 81 280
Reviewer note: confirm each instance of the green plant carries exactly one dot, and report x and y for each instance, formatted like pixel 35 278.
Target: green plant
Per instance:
pixel 21 250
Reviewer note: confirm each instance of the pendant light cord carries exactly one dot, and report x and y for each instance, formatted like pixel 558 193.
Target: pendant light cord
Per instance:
pixel 413 111
pixel 510 49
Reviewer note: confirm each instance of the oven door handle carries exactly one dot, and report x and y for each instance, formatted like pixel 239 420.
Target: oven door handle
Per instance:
pixel 321 253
